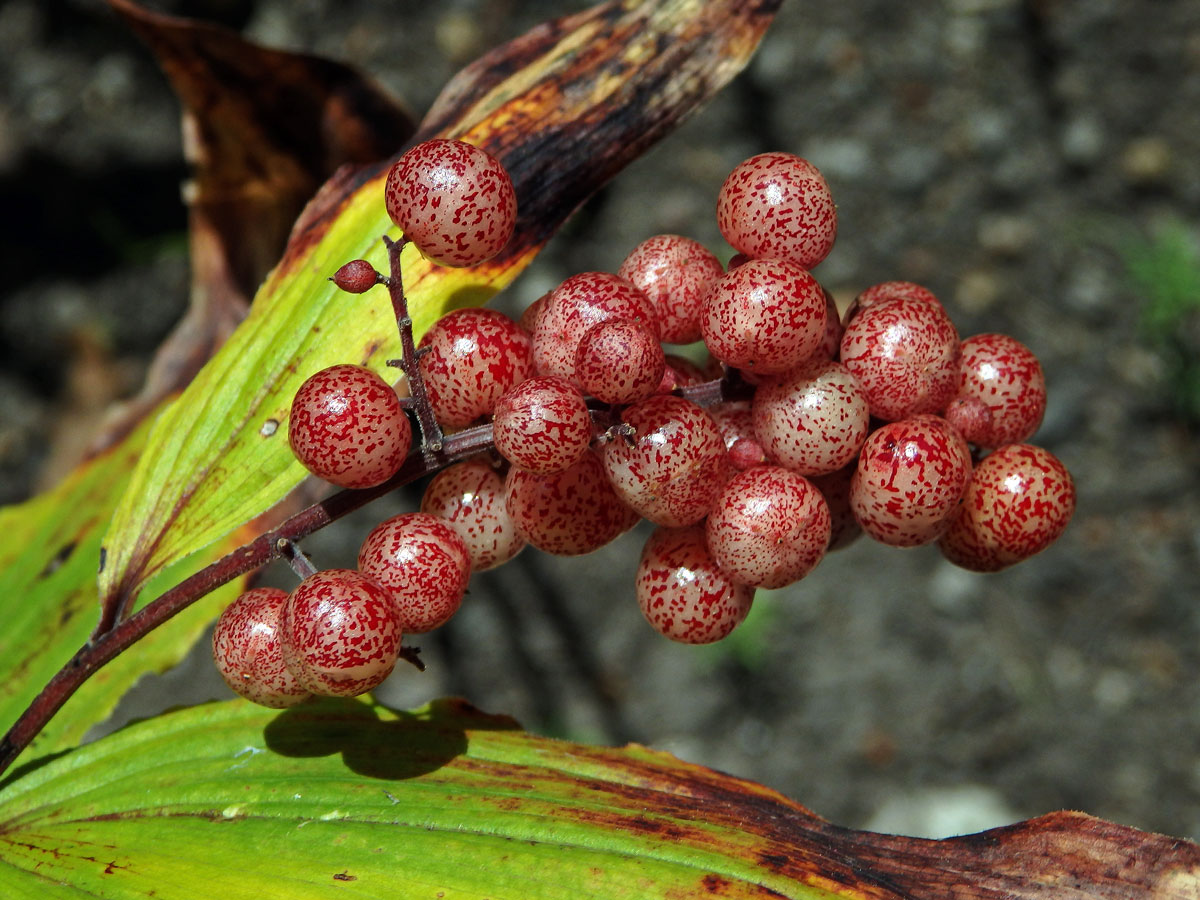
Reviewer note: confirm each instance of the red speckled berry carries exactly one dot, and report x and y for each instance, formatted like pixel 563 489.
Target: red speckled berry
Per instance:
pixel 455 202
pixel 890 290
pixel 844 529
pixel 833 330
pixel 1019 502
pixel 356 277
pixel 576 305
pixel 423 562
pixel 470 497
pixel 910 480
pixel 812 420
pixel 347 426
pixel 778 205
pixel 568 513
pixel 671 468
pixel 542 425
pixel 619 362
pixel 469 358
pixel 765 317
pixel 1007 377
pixel 681 591
pixel 675 272
pixel 245 646
pixel 905 353
pixel 682 372
pixel 736 424
pixel 340 633
pixel 768 528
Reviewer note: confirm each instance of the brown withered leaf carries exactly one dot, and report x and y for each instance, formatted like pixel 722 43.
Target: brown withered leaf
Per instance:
pixel 263 129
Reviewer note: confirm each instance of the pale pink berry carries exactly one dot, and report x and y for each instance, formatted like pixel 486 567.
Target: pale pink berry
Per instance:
pixel 778 205
pixel 619 362
pixel 1019 502
pixel 454 201
pixel 1003 373
pixel 764 317
pixel 910 480
pixel 542 425
pixel 423 562
pixel 769 527
pixel 675 272
pixel 245 647
pixel 340 633
pixel 905 354
pixel 348 427
pixel 569 513
pixel 844 529
pixel 681 591
pixel 672 465
pixel 576 305
pixel 470 497
pixel 813 419
pixel 469 358
pixel 890 290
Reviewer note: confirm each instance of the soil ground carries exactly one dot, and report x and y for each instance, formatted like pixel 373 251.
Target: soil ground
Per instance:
pixel 1022 159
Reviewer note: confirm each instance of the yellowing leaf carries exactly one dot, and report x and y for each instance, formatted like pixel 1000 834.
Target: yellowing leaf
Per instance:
pixel 564 108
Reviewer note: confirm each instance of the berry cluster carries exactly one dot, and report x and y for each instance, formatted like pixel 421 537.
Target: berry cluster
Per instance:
pixel 803 429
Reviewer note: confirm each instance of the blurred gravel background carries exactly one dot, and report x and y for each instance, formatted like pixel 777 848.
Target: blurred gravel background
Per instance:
pixel 1029 160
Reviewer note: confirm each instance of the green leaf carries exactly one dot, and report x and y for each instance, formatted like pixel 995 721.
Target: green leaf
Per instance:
pixel 233 801
pixel 49 605
pixel 563 122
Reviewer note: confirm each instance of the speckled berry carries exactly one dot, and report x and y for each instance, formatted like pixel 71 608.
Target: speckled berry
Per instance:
pixel 340 633
pixel 736 424
pixel 576 305
pixel 469 496
pixel 769 527
pixel 423 562
pixel 675 272
pixel 673 464
pixel 778 205
pixel 1019 502
pixel 469 358
pixel 454 201
pixel 542 425
pixel 812 420
pixel 568 513
pixel 1003 373
pixel 765 317
pixel 619 362
pixel 347 426
pixel 682 592
pixel 910 480
pixel 844 529
pixel 245 647
pixel 905 354
pixel 889 290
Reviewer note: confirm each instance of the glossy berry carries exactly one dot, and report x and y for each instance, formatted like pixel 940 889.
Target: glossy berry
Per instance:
pixel 778 205
pixel 469 496
pixel 672 466
pixel 245 646
pixel 812 420
pixel 469 357
pixel 769 527
pixel 356 277
pixel 675 272
pixel 568 513
pixel 910 480
pixel 454 201
pixel 844 529
pixel 619 362
pixel 905 353
pixel 681 591
pixel 542 425
pixel 1019 502
pixel 347 426
pixel 766 317
pixel 423 562
pixel 1004 374
pixel 736 424
pixel 890 290
pixel 576 305
pixel 340 633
